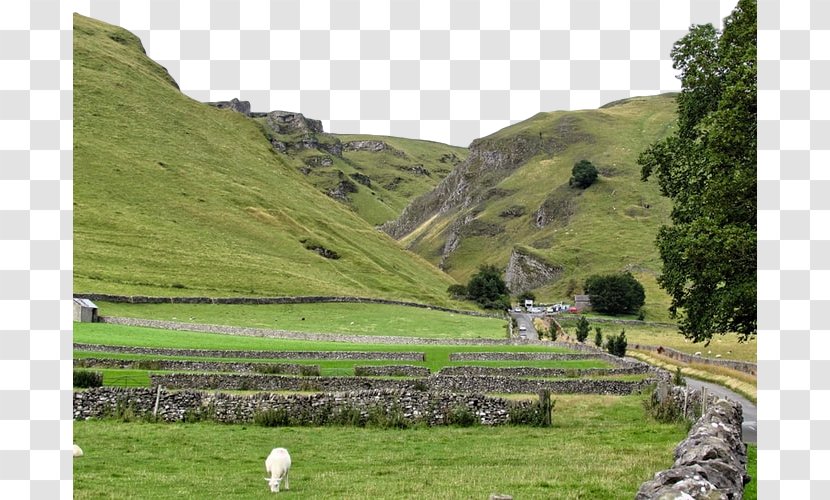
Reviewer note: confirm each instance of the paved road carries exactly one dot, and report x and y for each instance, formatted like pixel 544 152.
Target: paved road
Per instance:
pixel 750 426
pixel 526 319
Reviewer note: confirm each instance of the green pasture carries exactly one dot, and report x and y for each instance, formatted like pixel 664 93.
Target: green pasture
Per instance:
pixel 343 318
pixel 586 454
pixel 725 345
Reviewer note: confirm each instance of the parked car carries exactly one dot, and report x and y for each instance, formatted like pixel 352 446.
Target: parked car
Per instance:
pixel 573 309
pixel 517 309
pixel 522 328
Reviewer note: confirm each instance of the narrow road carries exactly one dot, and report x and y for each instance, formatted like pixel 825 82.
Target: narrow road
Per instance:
pixel 750 425
pixel 526 319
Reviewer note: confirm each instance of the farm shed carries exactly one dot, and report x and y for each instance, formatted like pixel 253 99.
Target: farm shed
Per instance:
pixel 84 311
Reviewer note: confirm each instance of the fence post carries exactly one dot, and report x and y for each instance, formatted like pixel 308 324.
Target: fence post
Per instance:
pixel 685 400
pixel 158 397
pixel 703 397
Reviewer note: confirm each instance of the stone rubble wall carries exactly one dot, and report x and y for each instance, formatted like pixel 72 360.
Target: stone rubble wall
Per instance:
pixel 710 463
pixel 203 366
pixel 459 384
pixel 392 371
pixel 177 406
pixel 531 372
pixel 144 299
pixel 332 355
pixel 541 356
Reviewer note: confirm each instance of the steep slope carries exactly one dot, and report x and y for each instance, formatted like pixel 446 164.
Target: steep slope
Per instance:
pixel 509 204
pixel 174 197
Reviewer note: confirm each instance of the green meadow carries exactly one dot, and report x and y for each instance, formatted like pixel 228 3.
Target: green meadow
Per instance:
pixel 586 454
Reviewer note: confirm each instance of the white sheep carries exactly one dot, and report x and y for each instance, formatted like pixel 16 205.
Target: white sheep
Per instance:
pixel 77 451
pixel 277 464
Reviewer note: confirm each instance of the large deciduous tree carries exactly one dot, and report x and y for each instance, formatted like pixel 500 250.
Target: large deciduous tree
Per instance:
pixel 488 288
pixel 708 168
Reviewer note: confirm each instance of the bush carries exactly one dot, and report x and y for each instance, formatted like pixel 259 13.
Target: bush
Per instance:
pixel 615 293
pixel 598 336
pixel 617 344
pixel 665 411
pixel 462 417
pixel 273 418
pixel 582 329
pixel 537 414
pixel 86 378
pixel 457 291
pixel 678 377
pixel 583 174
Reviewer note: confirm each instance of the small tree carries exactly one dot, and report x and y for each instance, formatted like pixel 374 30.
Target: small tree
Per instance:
pixel 582 329
pixel 583 174
pixel 598 336
pixel 617 344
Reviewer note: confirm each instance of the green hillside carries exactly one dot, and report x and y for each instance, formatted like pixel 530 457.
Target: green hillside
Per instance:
pixel 174 197
pixel 512 194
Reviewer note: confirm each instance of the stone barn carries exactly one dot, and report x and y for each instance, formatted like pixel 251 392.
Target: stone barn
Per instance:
pixel 84 311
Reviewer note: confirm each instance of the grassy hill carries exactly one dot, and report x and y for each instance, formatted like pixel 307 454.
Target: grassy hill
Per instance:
pixel 512 195
pixel 174 197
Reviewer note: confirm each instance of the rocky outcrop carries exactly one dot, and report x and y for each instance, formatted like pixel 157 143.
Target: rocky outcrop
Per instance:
pixel 490 161
pixel 371 147
pixel 287 122
pixel 526 272
pixel 234 104
pixel 559 206
pixel 709 464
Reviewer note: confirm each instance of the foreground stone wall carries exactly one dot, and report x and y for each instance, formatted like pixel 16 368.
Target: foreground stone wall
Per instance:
pixel 710 463
pixel 457 384
pixel 202 366
pixel 540 356
pixel 335 355
pixel 316 409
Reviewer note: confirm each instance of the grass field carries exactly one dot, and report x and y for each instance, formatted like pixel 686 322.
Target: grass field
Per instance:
pixel 185 199
pixel 587 454
pixel 725 345
pixel 357 319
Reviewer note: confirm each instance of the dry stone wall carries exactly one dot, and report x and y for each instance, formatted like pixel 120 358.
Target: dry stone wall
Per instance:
pixel 202 366
pixel 710 463
pixel 527 372
pixel 335 355
pixel 144 299
pixel 456 384
pixel 316 409
pixel 392 371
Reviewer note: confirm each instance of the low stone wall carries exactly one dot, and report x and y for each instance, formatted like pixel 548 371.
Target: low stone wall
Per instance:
pixel 316 409
pixel 742 366
pixel 530 372
pixel 709 463
pixel 315 336
pixel 462 384
pixel 392 371
pixel 336 355
pixel 540 356
pixel 143 299
pixel 200 366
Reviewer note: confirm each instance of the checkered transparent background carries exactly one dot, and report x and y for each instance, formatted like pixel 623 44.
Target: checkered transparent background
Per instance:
pixel 443 70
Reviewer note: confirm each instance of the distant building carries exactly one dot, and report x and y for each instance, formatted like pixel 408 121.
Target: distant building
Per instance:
pixel 582 301
pixel 84 311
pixel 528 302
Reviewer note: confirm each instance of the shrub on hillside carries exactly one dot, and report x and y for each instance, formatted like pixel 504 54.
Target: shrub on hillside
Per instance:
pixel 583 174
pixel 617 344
pixel 86 379
pixel 457 291
pixel 582 329
pixel 598 336
pixel 615 293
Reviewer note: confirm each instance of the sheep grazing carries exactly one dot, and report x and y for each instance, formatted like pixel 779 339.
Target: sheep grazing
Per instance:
pixel 277 464
pixel 77 451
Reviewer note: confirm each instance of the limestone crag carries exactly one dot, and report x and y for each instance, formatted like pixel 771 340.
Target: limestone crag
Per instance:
pixel 287 122
pixel 526 272
pixel 234 104
pixel 490 161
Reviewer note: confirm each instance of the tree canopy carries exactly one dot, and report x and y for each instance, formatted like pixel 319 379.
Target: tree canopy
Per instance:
pixel 708 169
pixel 615 293
pixel 487 287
